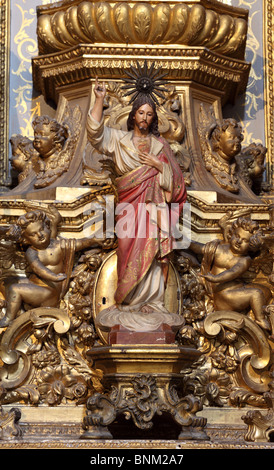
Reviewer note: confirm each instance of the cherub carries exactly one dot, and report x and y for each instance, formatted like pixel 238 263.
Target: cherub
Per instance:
pixel 224 265
pixel 49 139
pixel 226 143
pixel 49 136
pixel 23 155
pixel 50 259
pixel 226 139
pixel 220 144
pixel 252 164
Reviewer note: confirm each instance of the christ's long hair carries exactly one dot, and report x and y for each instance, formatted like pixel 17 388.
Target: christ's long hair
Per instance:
pixel 140 101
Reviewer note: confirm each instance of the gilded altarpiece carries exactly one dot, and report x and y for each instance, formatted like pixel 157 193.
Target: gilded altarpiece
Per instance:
pixel 62 376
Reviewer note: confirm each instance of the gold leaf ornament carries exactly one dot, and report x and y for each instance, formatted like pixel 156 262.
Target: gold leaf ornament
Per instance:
pixel 104 20
pixel 141 21
pixel 79 23
pixel 195 23
pixel 178 17
pixel 122 20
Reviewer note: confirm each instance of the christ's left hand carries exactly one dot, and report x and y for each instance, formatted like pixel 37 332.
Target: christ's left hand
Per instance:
pixel 151 160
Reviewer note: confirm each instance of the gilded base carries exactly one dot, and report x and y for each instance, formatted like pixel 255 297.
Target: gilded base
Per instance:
pixel 142 359
pixel 143 382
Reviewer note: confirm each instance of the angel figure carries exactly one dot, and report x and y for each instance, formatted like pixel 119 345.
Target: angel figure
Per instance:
pixel 49 257
pixel 234 168
pixel 24 156
pixel 220 143
pixel 224 266
pixel 55 142
pixel 252 165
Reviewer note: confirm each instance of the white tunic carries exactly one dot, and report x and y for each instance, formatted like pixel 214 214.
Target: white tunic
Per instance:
pixel 119 146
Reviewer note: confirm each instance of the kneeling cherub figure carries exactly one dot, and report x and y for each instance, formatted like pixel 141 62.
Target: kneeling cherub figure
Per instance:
pixel 224 265
pixel 50 259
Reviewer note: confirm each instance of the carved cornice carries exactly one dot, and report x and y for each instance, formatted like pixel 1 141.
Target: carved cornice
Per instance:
pixel 204 218
pixel 74 212
pixel 228 76
pixel 223 208
pixel 203 41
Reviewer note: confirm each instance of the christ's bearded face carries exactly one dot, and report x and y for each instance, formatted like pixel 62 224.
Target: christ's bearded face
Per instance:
pixel 143 118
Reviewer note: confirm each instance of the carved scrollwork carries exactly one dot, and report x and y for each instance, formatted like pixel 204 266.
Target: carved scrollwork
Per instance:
pixel 13 347
pixel 236 345
pixel 40 366
pixel 261 425
pixel 9 424
pixel 140 398
pixel 142 401
pixel 254 355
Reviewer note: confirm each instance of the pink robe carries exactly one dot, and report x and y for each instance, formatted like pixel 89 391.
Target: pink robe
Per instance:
pixel 136 254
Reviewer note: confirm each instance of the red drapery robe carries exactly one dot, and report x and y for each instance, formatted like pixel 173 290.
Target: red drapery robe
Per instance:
pixel 138 187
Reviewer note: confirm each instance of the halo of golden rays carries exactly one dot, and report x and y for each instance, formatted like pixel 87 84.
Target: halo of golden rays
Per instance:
pixel 144 81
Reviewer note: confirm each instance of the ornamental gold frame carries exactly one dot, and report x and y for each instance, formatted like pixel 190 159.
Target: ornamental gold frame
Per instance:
pixel 5 89
pixel 268 43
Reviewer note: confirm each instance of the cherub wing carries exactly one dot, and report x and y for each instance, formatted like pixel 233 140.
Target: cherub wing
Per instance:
pixel 10 256
pixel 207 120
pixel 206 124
pixel 71 119
pixel 262 263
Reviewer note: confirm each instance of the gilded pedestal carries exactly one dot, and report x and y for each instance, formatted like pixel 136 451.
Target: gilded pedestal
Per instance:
pixel 142 381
